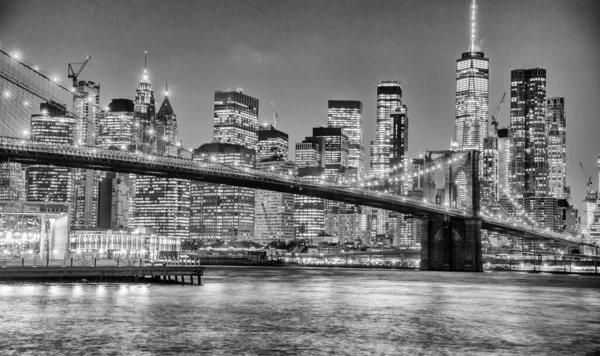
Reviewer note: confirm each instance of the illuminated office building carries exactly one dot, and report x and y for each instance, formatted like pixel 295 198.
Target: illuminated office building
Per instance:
pixel 310 153
pixel 166 129
pixel 472 96
pixel 272 144
pixel 236 119
pixel 389 98
pixel 218 211
pixel 163 204
pixel 347 114
pixel 12 181
pixel 336 145
pixel 528 167
pixel 309 212
pixel 557 147
pixel 145 115
pixel 274 211
pixel 399 144
pixel 116 126
pixel 49 183
pixel 84 209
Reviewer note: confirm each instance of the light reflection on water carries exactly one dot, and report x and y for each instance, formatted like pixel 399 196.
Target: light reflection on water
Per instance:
pixel 308 311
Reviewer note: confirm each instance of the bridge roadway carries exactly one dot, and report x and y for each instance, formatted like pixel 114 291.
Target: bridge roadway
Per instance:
pixel 31 152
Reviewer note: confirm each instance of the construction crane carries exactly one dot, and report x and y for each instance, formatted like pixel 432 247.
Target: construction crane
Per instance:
pixel 275 116
pixel 496 114
pixel 74 75
pixel 587 176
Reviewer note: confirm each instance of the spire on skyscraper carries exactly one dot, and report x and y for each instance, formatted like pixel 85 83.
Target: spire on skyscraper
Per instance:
pixel 145 78
pixel 473 7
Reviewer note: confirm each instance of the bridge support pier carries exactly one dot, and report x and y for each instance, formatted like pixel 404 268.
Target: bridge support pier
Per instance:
pixel 451 244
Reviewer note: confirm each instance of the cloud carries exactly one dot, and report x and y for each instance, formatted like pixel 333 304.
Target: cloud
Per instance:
pixel 244 54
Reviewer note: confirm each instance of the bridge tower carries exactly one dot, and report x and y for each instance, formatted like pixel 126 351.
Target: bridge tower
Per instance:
pixel 453 244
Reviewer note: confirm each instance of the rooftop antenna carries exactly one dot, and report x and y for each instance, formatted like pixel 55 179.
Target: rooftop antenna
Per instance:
pixel 275 115
pixel 473 7
pixel 166 87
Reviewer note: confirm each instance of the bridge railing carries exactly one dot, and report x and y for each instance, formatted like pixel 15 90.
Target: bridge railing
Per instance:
pixel 529 228
pixel 213 167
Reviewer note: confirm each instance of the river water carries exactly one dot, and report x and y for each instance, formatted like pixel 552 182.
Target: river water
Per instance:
pixel 295 311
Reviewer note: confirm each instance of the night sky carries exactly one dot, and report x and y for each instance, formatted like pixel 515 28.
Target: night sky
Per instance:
pixel 299 54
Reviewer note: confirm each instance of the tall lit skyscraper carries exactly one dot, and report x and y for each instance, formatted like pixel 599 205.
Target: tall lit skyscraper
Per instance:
pixel 272 144
pixel 236 119
pixel 389 98
pixel 166 129
pixel 49 183
pixel 472 88
pixel 347 114
pixel 557 147
pixel 145 114
pixel 163 203
pixel 86 181
pixel 527 132
pixel 218 211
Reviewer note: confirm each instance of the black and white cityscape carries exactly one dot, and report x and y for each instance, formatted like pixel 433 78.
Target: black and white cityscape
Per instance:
pixel 299 177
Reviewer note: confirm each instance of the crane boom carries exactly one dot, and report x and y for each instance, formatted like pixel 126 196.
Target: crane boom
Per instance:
pixel 588 177
pixel 74 75
pixel 496 114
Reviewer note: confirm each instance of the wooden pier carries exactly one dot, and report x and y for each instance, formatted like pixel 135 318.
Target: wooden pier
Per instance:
pixel 177 274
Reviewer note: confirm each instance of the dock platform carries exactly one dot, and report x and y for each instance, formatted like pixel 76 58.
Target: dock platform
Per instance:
pixel 173 273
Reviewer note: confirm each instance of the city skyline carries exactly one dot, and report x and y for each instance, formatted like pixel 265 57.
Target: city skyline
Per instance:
pixel 268 82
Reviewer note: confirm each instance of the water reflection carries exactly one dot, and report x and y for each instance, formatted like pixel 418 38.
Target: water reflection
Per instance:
pixel 308 311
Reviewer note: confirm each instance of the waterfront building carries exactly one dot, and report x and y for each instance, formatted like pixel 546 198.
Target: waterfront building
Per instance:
pixel 529 165
pixel 557 147
pixel 347 114
pixel 163 204
pixel 272 144
pixel 50 183
pixel 235 119
pixel 12 181
pixel 309 212
pixel 389 98
pixel 399 145
pixel 86 101
pixel 274 211
pixel 591 207
pixel 568 217
pixel 347 227
pixel 544 210
pixel 222 212
pixel 122 244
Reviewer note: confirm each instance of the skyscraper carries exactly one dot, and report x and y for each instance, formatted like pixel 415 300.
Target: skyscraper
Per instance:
pixel 272 144
pixel 389 98
pixel 218 211
pixel 116 126
pixel 49 183
pixel 472 82
pixel 527 132
pixel 166 129
pixel 84 209
pixel 236 119
pixel 347 114
pixel 336 144
pixel 163 203
pixel 399 143
pixel 145 115
pixel 557 147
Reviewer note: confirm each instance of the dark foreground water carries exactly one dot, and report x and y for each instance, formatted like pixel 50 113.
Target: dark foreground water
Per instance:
pixel 263 311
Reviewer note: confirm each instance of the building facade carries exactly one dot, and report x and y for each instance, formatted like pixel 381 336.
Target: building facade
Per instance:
pixel 347 114
pixel 274 211
pixel 49 183
pixel 235 119
pixel 222 212
pixel 557 147
pixel 272 144
pixel 389 98
pixel 527 132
